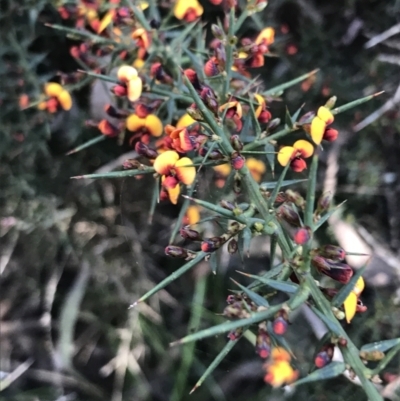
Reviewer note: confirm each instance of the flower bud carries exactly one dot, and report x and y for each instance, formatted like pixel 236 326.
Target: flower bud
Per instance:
pixel 330 104
pixel 144 150
pixel 235 334
pixel 236 143
pixel 237 184
pixel 324 357
pixel 295 197
pixel 306 118
pixel 176 251
pixel 338 271
pixel 107 129
pixel 263 344
pixel 302 235
pixel 194 112
pixel 232 246
pixel 211 67
pixel 273 124
pixel 131 164
pixel 211 244
pixel 232 298
pixel 188 233
pixel 227 205
pixel 324 202
pixel 280 324
pixel 237 160
pixel 193 78
pixel 330 134
pixel 214 155
pixel 217 32
pixel 119 90
pixel 288 214
pixel 331 252
pixel 114 112
pixel 372 356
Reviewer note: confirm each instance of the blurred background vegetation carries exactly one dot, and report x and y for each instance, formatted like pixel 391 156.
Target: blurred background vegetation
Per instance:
pixel 74 255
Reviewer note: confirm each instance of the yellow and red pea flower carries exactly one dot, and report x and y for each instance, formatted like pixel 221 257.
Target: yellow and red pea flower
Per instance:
pixel 108 129
pixel 295 155
pixel 234 112
pixel 319 125
pixel 192 215
pixel 181 140
pixel 142 40
pixel 58 98
pixel 130 80
pixel 174 171
pixel 257 168
pixel 350 303
pixel 266 37
pixel 185 121
pixel 151 125
pixel 188 10
pixel 278 369
pixel 261 112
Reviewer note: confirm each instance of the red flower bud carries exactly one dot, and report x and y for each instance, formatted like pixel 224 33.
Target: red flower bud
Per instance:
pixel 338 271
pixel 211 67
pixel 119 90
pixel 107 129
pixel 324 357
pixel 211 244
pixel 279 325
pixel 144 150
pixel 263 344
pixel 288 214
pixel 237 161
pixel 302 235
pixel 264 117
pixel 232 246
pixel 193 78
pixel 176 251
pixel 188 233
pixel 331 252
pixel 235 334
pixel 330 134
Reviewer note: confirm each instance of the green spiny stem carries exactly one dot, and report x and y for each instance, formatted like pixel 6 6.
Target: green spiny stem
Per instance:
pixel 229 53
pixel 350 351
pixel 116 174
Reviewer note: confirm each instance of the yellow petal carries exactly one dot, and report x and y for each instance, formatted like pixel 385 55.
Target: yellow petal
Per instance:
pixel 307 149
pixel 285 154
pixel 106 20
pixel 65 100
pixel 166 161
pixel 267 35
pixel 134 87
pixel 317 130
pixel 185 174
pixel 359 287
pixel 280 354
pixel 154 125
pixel 350 306
pixel 223 169
pixel 126 73
pixel 138 63
pixel 193 214
pixel 182 6
pixel 135 123
pixel 53 89
pixel 173 194
pixel 143 5
pixel 325 115
pixel 279 373
pixel 261 104
pixel 185 121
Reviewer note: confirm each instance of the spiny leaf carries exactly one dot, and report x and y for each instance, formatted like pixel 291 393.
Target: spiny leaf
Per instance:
pixel 295 116
pixel 288 119
pixel 116 174
pixel 381 345
pixel 270 153
pixel 172 277
pixel 256 298
pixel 355 103
pixel 326 216
pixel 87 144
pixel 213 262
pixel 271 273
pixel 289 288
pixel 334 369
pixel 280 88
pixel 228 326
pixel 273 184
pixel 219 358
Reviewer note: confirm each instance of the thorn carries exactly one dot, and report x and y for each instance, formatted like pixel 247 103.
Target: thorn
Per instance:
pixel 77 177
pixel 70 152
pixel 133 305
pixel 244 274
pixel 194 388
pixel 378 93
pixel 174 343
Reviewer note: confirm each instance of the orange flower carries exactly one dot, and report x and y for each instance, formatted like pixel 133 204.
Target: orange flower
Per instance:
pixel 185 121
pixel 261 112
pixel 130 80
pixel 319 123
pixel 188 10
pixel 150 124
pixel 350 303
pixel 234 112
pixel 257 168
pixel 192 215
pixel 142 40
pixel 295 155
pixel 174 171
pixel 266 37
pixel 222 171
pixel 58 98
pixel 279 371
